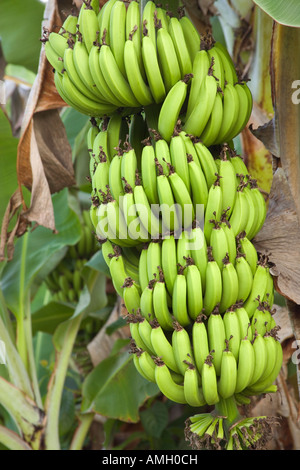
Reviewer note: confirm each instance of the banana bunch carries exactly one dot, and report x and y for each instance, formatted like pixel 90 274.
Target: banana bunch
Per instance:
pixel 119 57
pixel 65 281
pixel 143 193
pixel 174 208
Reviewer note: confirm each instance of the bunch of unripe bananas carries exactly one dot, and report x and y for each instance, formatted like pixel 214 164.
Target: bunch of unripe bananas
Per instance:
pixel 174 206
pixel 65 281
pixel 117 58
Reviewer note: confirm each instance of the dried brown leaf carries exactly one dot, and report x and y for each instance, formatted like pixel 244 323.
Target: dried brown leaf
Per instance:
pixel 284 71
pixel 44 157
pixel 100 347
pixel 279 238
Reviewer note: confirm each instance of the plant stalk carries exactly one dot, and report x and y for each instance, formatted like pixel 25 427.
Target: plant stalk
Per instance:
pixel 56 385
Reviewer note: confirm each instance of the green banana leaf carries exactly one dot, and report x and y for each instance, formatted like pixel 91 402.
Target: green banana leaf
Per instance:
pixel 8 158
pixel 115 389
pixel 286 12
pixel 42 247
pixel 20 31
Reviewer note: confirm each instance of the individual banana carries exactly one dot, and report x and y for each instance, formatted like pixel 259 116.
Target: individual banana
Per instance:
pixel 117 33
pixel 227 182
pixel 260 205
pixel 198 185
pixel 230 114
pixel 230 285
pixel 198 252
pixel 216 338
pixel 133 321
pixel 171 107
pixel 228 374
pixel 147 365
pixel 218 242
pixel 183 247
pixel 197 120
pixel 148 219
pixel 213 281
pixel 72 96
pixel 240 213
pixel 232 330
pixel 178 38
pixel 160 304
pixel 81 61
pixel 179 299
pixel 200 341
pixel 261 321
pixel 114 178
pixel 145 330
pixel 200 69
pixel 117 130
pixel 182 198
pixel 146 301
pixel 258 287
pixel 162 346
pixel 166 384
pixel 231 240
pixel 53 58
pixel 167 206
pixel 194 289
pixel 207 162
pixel 115 79
pixel 209 382
pixel 98 77
pixel 148 20
pixel 135 353
pixel 167 59
pixel 179 159
pixel 149 173
pixel 118 273
pixel 213 126
pixel 244 112
pixel 89 26
pixel 162 152
pixel 58 43
pixel 129 166
pixel 246 247
pixel 133 32
pixel 161 17
pixel 213 208
pixel 182 347
pixel 154 260
pixel 152 69
pixel 245 277
pixel 246 365
pixel 100 179
pixel 218 67
pixel 270 374
pixel 191 35
pixel 192 391
pixel 244 322
pixel 104 19
pixel 230 73
pixel 169 261
pixel 69 26
pixel 260 353
pixel 139 87
pixel 131 295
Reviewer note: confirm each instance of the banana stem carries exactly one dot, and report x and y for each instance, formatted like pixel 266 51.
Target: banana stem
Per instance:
pixel 228 408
